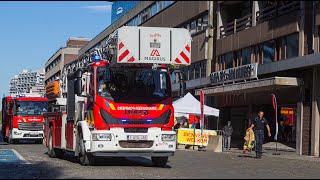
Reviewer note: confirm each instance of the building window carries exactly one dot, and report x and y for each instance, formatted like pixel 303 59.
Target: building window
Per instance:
pixel 193 27
pixel 229 60
pixel 199 24
pixel 292 46
pixel 246 56
pixel 204 68
pixel 153 10
pixel 191 72
pixel 185 72
pixel 197 70
pixel 268 52
pixel 205 21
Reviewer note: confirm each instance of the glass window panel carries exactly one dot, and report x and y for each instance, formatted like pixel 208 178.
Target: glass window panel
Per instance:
pixel 229 60
pixel 191 71
pixel 292 46
pixel 205 21
pixel 154 10
pixel 197 70
pixel 159 5
pixel 283 47
pixel 199 24
pixel 246 56
pixel 204 68
pixel 268 52
pixel 185 71
pixel 193 27
pixel 167 3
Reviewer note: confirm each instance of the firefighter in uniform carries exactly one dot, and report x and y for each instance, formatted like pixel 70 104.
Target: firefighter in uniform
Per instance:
pixel 258 126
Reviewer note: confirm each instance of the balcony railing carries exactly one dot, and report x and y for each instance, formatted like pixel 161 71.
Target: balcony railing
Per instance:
pixel 274 11
pixel 236 25
pixel 265 14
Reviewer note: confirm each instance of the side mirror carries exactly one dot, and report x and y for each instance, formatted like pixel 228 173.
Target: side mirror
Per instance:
pixel 78 86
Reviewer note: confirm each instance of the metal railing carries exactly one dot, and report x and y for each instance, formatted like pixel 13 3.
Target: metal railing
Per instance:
pixel 274 11
pixel 265 14
pixel 236 25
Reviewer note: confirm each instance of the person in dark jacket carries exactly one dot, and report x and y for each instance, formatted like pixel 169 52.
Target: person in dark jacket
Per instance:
pixel 227 133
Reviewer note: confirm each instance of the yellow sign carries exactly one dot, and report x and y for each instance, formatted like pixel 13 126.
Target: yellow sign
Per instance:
pixel 186 136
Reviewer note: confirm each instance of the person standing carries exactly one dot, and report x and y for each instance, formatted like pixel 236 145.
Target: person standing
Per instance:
pixel 227 133
pixel 258 126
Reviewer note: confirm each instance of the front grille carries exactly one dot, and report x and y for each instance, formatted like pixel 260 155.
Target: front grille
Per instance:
pixel 109 119
pixel 30 126
pixel 136 130
pixel 136 144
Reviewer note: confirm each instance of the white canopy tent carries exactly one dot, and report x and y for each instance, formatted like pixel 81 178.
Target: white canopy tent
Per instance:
pixel 190 105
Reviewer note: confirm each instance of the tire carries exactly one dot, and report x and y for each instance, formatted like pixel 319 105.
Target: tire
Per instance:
pixel 85 159
pixel 51 151
pixel 59 153
pixel 159 161
pixel 10 140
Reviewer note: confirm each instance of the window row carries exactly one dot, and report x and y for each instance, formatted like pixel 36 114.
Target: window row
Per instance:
pixel 147 13
pixel 54 77
pixel 197 24
pixel 195 70
pixel 275 50
pixel 53 63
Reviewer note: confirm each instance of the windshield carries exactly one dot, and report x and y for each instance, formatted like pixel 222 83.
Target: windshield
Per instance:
pixel 31 108
pixel 133 85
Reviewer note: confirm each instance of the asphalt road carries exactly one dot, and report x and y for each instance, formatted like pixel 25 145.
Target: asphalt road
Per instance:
pixel 185 164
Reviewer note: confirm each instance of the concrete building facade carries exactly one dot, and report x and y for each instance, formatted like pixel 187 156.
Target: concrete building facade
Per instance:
pixel 64 55
pixel 264 48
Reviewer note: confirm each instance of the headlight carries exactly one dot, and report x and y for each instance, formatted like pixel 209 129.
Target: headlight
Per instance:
pixel 101 137
pixel 17 133
pixel 168 137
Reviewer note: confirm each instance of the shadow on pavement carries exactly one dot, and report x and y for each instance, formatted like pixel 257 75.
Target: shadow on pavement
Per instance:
pixel 113 161
pixel 38 170
pixel 247 156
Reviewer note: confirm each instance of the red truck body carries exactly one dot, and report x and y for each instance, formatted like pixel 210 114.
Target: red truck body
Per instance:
pixel 22 118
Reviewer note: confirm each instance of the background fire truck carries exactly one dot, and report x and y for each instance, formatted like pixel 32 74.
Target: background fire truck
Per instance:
pixel 22 118
pixel 116 101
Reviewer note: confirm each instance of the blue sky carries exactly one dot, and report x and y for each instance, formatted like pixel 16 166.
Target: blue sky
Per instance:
pixel 30 32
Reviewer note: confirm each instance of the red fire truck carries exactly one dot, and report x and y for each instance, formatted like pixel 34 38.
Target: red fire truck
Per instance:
pixel 22 118
pixel 117 101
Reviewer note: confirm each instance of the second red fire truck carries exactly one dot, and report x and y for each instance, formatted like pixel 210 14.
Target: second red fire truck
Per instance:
pixel 22 118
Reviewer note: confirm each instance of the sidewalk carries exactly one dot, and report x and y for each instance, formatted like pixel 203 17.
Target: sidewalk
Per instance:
pixel 283 154
pixel 266 153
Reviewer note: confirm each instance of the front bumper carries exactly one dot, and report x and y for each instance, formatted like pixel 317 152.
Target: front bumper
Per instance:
pixel 22 134
pixel 121 146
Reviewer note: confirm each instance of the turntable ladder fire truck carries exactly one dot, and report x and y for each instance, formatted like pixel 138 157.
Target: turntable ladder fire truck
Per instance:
pixel 116 101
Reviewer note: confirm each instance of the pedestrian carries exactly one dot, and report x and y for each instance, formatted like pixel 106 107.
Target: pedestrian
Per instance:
pixel 227 133
pixel 258 127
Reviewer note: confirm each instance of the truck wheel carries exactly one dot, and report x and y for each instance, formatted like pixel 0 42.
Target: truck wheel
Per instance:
pixel 59 153
pixel 159 161
pixel 10 140
pixel 85 158
pixel 51 151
